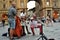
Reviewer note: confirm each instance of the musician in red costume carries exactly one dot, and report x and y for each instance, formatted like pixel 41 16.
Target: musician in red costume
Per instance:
pixel 18 30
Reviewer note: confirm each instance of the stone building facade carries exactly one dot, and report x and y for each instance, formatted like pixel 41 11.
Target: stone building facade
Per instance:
pixel 5 4
pixel 48 7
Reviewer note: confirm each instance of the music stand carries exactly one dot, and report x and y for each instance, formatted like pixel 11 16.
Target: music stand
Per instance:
pixel 42 34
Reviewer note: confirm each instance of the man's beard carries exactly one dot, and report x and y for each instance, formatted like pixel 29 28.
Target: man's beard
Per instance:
pixel 14 6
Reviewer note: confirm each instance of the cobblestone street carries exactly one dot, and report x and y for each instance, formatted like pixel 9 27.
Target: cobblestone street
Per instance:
pixel 50 32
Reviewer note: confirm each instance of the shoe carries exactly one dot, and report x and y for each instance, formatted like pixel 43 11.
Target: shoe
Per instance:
pixel 12 39
pixel 29 33
pixel 18 37
pixel 41 33
pixel 24 34
pixel 33 34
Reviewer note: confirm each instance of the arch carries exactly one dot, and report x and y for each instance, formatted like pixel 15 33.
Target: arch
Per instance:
pixel 38 1
pixel 38 7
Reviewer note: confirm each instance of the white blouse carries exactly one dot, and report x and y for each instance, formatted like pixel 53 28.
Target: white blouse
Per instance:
pixel 34 23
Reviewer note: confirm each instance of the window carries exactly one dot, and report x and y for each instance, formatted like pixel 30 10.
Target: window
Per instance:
pixel 22 3
pixel 3 5
pixel 3 0
pixel 54 3
pixel 48 12
pixel 10 1
pixel 48 2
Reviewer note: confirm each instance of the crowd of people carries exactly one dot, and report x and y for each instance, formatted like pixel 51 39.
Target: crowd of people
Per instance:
pixel 17 24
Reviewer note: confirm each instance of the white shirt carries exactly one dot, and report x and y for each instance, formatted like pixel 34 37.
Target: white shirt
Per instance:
pixel 34 23
pixel 22 14
pixel 23 24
